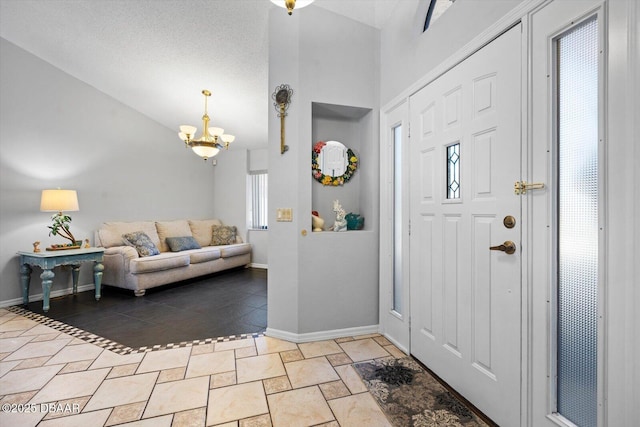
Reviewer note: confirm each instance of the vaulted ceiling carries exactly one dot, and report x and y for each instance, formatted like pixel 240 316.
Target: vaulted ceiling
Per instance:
pixel 157 55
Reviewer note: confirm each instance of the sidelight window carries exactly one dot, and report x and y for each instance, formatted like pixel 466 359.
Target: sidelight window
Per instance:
pixel 576 81
pixel 397 220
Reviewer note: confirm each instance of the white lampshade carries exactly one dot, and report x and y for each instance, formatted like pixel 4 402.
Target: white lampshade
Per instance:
pixel 191 130
pixel 205 151
pixel 213 131
pixel 59 200
pixel 226 138
pixel 299 3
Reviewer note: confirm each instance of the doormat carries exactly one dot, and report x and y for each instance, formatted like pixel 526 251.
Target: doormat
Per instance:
pixel 410 396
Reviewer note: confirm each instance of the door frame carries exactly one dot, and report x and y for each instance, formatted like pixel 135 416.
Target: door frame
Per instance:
pixel 543 309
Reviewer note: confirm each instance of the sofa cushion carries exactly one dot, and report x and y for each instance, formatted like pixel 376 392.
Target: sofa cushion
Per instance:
pixel 143 244
pixel 201 230
pixel 223 235
pixel 177 244
pixel 204 255
pixel 235 249
pixel 164 261
pixel 110 233
pixel 166 229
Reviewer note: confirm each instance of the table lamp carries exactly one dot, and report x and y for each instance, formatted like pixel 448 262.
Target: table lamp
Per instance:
pixel 59 201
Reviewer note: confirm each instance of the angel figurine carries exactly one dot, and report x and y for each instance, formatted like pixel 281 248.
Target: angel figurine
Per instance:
pixel 341 223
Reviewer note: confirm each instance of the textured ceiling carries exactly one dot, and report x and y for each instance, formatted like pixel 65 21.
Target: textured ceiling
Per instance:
pixel 157 55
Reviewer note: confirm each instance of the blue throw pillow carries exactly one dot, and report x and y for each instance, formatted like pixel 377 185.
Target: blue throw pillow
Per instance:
pixel 177 244
pixel 142 243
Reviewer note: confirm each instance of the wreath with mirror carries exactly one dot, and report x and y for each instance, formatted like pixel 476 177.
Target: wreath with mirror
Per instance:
pixel 332 163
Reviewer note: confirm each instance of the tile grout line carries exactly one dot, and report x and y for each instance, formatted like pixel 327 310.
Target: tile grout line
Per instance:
pixel 320 355
pixel 115 346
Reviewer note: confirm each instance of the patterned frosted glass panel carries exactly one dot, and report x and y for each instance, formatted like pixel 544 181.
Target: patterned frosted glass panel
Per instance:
pixel 397 219
pixel 577 82
pixel 453 171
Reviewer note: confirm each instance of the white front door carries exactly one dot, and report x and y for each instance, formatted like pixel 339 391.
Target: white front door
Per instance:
pixel 465 149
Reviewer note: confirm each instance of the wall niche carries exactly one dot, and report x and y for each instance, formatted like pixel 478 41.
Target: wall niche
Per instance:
pixel 352 126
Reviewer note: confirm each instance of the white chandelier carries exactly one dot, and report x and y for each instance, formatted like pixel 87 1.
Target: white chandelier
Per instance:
pixel 290 4
pixel 207 145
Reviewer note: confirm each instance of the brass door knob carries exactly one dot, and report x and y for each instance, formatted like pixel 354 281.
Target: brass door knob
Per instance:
pixel 507 247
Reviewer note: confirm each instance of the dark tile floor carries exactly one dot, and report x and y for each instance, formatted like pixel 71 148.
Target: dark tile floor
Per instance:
pixel 228 303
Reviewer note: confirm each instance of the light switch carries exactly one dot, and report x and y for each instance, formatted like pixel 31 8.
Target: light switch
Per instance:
pixel 284 214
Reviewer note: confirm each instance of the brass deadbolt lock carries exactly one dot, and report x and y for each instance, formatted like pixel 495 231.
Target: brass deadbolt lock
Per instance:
pixel 509 221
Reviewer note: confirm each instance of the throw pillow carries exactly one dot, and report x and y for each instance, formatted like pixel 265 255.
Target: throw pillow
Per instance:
pixel 177 228
pixel 223 235
pixel 201 230
pixel 110 233
pixel 177 244
pixel 142 243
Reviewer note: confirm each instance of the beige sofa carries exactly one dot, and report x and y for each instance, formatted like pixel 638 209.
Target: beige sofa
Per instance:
pixel 125 268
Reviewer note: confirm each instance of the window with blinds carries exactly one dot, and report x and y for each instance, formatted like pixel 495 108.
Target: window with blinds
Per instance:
pixel 258 211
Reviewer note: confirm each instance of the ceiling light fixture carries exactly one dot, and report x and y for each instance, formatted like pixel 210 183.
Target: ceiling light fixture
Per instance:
pixel 207 145
pixel 290 4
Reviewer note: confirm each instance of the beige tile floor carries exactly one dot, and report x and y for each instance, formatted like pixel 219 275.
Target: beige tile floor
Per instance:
pixel 48 378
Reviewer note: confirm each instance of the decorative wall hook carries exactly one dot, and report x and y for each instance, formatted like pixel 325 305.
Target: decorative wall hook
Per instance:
pixel 282 97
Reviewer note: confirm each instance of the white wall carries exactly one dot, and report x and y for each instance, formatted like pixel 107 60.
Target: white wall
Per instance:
pixel 284 170
pixel 230 193
pixel 622 342
pixel 56 131
pixel 230 188
pixel 321 281
pixel 407 53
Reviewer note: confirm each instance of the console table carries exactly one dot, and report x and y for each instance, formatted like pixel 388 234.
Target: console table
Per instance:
pixel 48 260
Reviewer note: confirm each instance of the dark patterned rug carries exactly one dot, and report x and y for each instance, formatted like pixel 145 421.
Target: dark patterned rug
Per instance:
pixel 410 396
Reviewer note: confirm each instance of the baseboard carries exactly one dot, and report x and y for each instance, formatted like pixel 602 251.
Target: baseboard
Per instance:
pixel 53 294
pixel 397 344
pixel 321 335
pixel 256 265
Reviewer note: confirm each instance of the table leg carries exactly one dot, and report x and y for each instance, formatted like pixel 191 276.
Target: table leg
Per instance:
pixel 47 279
pixel 25 279
pixel 75 273
pixel 98 268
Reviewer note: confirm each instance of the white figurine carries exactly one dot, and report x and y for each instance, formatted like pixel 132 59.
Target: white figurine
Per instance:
pixel 341 222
